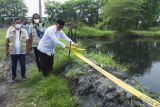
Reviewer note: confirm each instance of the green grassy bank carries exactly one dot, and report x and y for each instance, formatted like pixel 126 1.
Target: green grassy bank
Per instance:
pixel 52 91
pixel 90 32
pixel 146 33
pixel 2 43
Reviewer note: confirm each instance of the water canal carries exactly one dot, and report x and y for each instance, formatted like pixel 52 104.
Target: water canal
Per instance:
pixel 141 54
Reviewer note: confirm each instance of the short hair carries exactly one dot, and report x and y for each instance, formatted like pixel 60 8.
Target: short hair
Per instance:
pixel 17 18
pixel 61 22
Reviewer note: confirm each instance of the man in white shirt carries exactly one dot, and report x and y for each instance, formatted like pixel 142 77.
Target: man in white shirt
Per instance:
pixel 47 44
pixel 16 46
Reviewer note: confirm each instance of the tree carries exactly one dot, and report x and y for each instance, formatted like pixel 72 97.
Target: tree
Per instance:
pixel 53 9
pixel 122 14
pixel 72 10
pixel 69 12
pixel 12 8
pixel 89 10
pixel 64 11
pixel 150 11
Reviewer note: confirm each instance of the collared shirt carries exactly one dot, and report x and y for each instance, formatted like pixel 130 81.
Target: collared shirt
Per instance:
pixel 17 40
pixel 26 27
pixel 50 39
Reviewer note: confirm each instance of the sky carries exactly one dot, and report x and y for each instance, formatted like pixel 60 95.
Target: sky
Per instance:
pixel 33 6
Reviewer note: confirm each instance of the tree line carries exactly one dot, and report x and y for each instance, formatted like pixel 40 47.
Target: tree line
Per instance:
pixel 103 14
pixel 10 9
pixel 110 14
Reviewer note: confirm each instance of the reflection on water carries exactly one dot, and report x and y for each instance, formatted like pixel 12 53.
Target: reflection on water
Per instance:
pixel 143 56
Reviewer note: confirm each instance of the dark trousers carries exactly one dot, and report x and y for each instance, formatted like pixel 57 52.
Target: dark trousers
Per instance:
pixel 36 52
pixel 21 58
pixel 46 63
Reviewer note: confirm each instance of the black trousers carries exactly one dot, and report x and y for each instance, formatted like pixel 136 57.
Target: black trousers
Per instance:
pixel 36 52
pixel 14 59
pixel 46 63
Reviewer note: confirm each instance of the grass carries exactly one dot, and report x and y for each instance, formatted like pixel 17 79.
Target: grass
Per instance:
pixel 79 67
pixel 106 60
pixel 89 32
pixel 145 33
pixel 53 91
pixel 93 32
pixel 76 70
pixel 3 36
pixel 2 43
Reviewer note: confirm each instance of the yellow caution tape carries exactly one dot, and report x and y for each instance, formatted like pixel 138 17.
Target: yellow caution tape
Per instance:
pixel 76 48
pixel 119 82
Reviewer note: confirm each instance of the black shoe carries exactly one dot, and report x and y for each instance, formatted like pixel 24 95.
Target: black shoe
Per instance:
pixel 13 78
pixel 39 70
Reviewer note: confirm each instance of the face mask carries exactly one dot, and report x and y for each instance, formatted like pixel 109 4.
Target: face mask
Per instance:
pixel 18 26
pixel 36 21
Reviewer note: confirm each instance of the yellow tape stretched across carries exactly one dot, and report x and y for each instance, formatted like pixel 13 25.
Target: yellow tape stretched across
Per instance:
pixel 76 48
pixel 119 82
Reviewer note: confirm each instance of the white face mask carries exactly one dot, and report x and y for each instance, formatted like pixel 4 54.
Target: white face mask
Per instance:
pixel 36 21
pixel 18 26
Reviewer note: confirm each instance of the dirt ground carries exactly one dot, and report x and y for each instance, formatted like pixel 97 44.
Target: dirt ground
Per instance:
pixel 8 92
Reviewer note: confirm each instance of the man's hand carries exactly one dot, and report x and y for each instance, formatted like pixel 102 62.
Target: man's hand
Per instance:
pixel 74 45
pixel 67 47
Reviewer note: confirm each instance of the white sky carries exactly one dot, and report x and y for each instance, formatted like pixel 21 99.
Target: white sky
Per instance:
pixel 33 6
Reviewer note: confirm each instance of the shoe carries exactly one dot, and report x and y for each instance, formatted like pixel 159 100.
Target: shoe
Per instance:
pixel 13 80
pixel 39 69
pixel 23 78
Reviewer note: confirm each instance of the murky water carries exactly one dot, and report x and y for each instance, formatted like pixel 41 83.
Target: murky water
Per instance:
pixel 142 54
